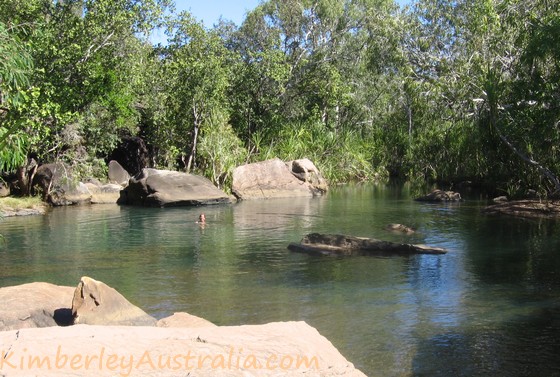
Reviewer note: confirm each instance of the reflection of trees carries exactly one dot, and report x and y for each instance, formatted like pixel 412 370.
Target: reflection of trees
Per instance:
pixel 503 249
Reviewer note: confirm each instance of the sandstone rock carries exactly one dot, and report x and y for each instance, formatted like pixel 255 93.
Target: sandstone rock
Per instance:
pixel 336 244
pixel 95 303
pixel 164 188
pixel 440 196
pixel 184 320
pixel 117 174
pixel 104 194
pixel 69 194
pixel 306 171
pixel 34 305
pixel 274 179
pixel 59 186
pixel 4 189
pixel 274 349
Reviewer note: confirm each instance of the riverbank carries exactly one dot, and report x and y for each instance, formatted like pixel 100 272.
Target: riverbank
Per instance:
pixel 526 208
pixel 12 206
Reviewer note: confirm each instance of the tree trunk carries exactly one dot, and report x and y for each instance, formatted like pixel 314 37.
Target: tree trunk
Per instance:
pixel 192 155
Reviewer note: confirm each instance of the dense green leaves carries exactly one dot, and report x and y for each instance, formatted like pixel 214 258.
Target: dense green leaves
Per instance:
pixel 444 91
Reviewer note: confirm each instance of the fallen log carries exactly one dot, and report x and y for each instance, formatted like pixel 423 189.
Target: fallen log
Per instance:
pixel 336 244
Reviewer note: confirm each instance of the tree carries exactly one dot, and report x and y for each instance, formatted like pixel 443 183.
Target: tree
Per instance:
pixel 197 75
pixel 15 67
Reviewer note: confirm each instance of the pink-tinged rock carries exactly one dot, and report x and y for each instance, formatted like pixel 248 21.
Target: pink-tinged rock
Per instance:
pixel 276 179
pixel 95 303
pixel 34 305
pixel 184 320
pixel 274 349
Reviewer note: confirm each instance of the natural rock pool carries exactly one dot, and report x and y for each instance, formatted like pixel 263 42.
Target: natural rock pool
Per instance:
pixel 490 306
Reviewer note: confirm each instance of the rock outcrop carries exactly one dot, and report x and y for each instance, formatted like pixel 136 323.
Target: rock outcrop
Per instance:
pixel 335 244
pixel 440 196
pixel 95 303
pixel 274 349
pixel 164 188
pixel 181 344
pixel 117 174
pixel 35 305
pixel 277 179
pixel 104 194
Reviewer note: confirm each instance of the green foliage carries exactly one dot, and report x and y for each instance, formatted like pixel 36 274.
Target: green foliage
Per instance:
pixel 221 151
pixel 439 91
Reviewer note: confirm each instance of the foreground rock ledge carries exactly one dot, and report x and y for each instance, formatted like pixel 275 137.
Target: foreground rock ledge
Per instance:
pixel 335 244
pixel 282 348
pixel 526 208
pixel 31 343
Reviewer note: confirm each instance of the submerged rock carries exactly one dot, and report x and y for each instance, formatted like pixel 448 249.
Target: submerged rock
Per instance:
pixel 336 244
pixel 400 228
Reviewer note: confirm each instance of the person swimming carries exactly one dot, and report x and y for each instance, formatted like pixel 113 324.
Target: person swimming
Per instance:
pixel 201 219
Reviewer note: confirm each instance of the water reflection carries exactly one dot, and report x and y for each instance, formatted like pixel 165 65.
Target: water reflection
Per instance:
pixel 489 307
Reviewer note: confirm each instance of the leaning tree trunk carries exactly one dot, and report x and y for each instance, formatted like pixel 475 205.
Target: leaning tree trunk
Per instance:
pixel 553 178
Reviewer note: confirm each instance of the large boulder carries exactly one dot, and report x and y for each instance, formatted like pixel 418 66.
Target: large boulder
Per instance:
pixel 4 189
pixel 95 303
pixel 132 154
pixel 35 305
pixel 104 194
pixel 277 179
pixel 164 188
pixel 59 186
pixel 273 349
pixel 117 174
pixel 70 194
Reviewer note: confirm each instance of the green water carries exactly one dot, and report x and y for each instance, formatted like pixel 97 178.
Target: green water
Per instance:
pixel 490 307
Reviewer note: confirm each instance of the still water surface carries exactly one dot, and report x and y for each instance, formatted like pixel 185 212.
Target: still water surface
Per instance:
pixel 490 307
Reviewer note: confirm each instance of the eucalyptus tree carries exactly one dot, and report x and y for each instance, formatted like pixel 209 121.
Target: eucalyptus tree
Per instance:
pixel 197 75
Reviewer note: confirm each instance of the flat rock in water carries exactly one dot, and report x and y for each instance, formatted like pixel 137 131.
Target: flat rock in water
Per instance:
pixel 526 208
pixel 335 244
pixel 164 188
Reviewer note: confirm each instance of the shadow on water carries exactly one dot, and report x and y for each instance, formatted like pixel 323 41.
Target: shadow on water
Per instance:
pixel 511 324
pixel 527 346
